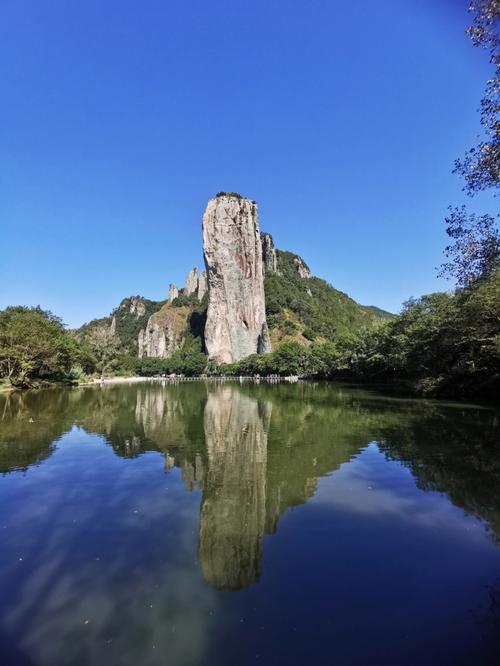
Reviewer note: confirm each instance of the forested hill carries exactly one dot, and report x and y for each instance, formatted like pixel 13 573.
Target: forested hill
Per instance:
pixel 306 308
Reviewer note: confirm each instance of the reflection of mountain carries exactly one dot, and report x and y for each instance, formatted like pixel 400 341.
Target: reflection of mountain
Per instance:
pixel 255 451
pixel 234 488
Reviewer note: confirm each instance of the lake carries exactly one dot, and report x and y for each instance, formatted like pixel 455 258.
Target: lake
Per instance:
pixel 232 524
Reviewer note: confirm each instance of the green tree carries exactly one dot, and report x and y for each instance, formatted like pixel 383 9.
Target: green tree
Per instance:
pixel 475 253
pixel 104 346
pixel 34 346
pixel 481 166
pixel 443 344
pixel 323 359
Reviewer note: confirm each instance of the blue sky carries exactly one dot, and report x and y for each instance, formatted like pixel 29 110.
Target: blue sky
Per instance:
pixel 120 119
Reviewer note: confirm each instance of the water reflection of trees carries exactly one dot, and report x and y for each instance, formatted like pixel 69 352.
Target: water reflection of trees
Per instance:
pixel 254 452
pixel 29 428
pixel 454 452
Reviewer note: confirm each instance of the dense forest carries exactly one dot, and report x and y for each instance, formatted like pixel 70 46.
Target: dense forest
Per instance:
pixel 311 310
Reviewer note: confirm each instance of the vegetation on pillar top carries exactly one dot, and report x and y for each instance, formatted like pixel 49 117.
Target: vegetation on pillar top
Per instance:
pixel 234 195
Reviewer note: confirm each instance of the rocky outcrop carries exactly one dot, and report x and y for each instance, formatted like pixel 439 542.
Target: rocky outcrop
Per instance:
pixel 269 258
pixel 163 333
pixel 236 317
pixel 202 285
pixel 191 282
pixel 134 305
pixel 173 292
pixel 302 268
pixel 196 283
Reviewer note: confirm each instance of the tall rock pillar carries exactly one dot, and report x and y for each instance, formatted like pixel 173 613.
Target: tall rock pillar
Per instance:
pixel 269 258
pixel 236 317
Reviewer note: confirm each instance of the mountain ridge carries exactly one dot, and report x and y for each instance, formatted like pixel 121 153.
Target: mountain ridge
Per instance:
pixel 292 313
pixel 250 296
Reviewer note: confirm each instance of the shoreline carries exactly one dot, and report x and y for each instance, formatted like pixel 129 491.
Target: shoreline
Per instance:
pixel 135 379
pixel 395 390
pixel 115 380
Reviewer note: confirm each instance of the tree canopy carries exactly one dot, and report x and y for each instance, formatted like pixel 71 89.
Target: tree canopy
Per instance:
pixel 475 252
pixel 481 165
pixel 35 346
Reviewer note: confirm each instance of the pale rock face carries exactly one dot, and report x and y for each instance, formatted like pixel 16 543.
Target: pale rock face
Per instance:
pixel 302 269
pixel 112 328
pixel 173 292
pixel 191 282
pixel 202 285
pixel 163 333
pixel 236 317
pixel 269 258
pixel 135 306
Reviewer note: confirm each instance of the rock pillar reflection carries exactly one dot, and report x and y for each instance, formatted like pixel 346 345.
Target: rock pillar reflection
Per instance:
pixel 234 498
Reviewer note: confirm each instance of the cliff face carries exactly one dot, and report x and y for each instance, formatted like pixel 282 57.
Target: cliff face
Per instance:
pixel 173 292
pixel 202 285
pixel 134 306
pixel 302 269
pixel 196 283
pixel 236 317
pixel 163 333
pixel 191 282
pixel 269 258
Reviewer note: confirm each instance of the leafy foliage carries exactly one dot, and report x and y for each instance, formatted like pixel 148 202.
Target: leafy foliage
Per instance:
pixel 448 343
pixel 476 251
pixel 229 194
pixel 322 311
pixel 185 301
pixel 34 346
pixel 105 347
pixel 481 165
pixel 289 359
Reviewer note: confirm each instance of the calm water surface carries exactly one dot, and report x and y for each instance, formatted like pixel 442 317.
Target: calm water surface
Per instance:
pixel 206 524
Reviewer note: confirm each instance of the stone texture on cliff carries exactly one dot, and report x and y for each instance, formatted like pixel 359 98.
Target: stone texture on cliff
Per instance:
pixel 202 285
pixel 269 258
pixel 191 282
pixel 134 305
pixel 236 317
pixel 302 268
pixel 173 292
pixel 163 333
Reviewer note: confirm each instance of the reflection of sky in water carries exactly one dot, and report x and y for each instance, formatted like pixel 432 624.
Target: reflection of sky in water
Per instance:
pixel 332 552
pixel 371 485
pixel 394 572
pixel 100 564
